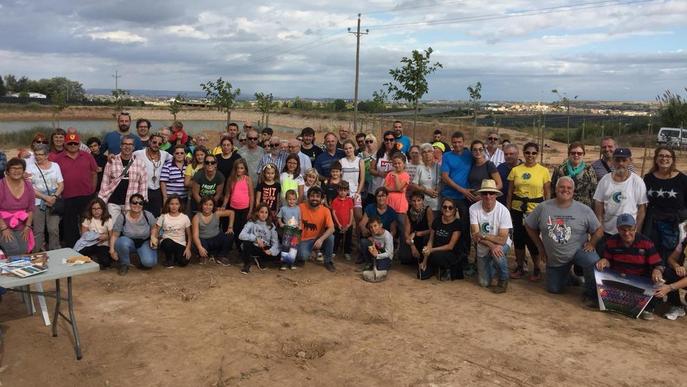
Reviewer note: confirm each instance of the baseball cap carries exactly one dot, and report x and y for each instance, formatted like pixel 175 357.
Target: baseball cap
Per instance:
pixel 440 146
pixel 622 153
pixel 72 137
pixel 625 220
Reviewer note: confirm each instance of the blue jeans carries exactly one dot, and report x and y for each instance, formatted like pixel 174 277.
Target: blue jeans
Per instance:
pixel 487 264
pixel 305 249
pixel 124 246
pixel 557 276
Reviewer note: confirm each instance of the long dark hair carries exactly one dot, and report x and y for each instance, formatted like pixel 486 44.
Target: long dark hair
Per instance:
pixel 88 214
pixel 293 156
pixel 254 215
pixel 382 149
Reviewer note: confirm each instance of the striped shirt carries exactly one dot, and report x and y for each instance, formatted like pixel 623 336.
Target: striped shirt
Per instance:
pixel 173 177
pixel 639 259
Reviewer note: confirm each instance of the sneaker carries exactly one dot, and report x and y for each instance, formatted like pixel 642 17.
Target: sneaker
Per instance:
pixel 330 266
pixel 646 315
pixel 320 257
pixel 517 273
pixel 245 269
pixel 293 267
pixel 674 313
pixel 445 275
pixel 224 261
pixel 123 269
pixel 500 287
pixel 348 257
pixel 168 263
pixel 283 268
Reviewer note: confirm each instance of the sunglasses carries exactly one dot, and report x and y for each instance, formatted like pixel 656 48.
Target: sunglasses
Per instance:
pixel 76 143
pixel 41 142
pixel 480 150
pixel 180 153
pixel 577 153
pixel 268 146
pixel 210 162
pixel 389 139
pixel 242 140
pixel 530 153
pixel 369 142
pixel 136 202
pixel 248 126
pixel 488 193
pixel 447 207
pixel 493 138
pixel 253 138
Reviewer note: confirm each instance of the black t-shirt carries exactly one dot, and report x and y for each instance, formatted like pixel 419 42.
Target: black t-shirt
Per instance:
pixel 208 187
pixel 225 165
pixel 312 152
pixel 119 194
pixel 331 190
pixel 479 173
pixel 666 196
pixel 443 232
pixel 269 194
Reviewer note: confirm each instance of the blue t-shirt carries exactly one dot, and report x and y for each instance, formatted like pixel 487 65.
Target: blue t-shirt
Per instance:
pixel 504 170
pixel 323 161
pixel 458 168
pixel 286 213
pixel 405 143
pixel 388 217
pixel 112 143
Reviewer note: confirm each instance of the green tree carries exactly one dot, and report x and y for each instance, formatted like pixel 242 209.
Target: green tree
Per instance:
pixel 23 85
pixel 673 109
pixel 410 80
pixel 339 105
pixel 120 100
pixel 175 105
pixel 221 95
pixel 59 103
pixel 11 83
pixel 3 89
pixel 264 105
pixel 475 92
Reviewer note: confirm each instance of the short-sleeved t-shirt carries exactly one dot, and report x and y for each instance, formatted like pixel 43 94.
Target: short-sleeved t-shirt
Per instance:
pixel 269 194
pixel 619 198
pixel 77 174
pixel 315 221
pixel 444 232
pixel 666 196
pixel 139 229
pixel 479 173
pixel 208 187
pixel 458 166
pixel 174 227
pixel 490 223
pixel 528 182
pixel 563 230
pixel 388 217
pixel 98 226
pixel 288 182
pixel 52 176
pixel 290 215
pixel 342 209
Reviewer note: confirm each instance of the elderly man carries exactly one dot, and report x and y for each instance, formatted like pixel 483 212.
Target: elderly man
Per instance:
pixel 317 228
pixel 143 130
pixel 492 150
pixel 294 147
pixel 309 148
pixel 153 159
pixel 490 224
pixel 344 134
pixel 631 253
pixel 511 160
pixel 620 192
pixel 80 174
pixel 124 176
pixel 604 165
pixel 323 162
pixel 252 153
pixel 566 233
pixel 112 140
pixel 272 153
pixel 247 127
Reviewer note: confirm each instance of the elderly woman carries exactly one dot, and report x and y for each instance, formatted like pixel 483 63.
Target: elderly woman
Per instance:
pixel 666 189
pixel 47 182
pixel 427 178
pixel 27 153
pixel 368 156
pixel 482 168
pixel 57 142
pixel 440 255
pixel 17 202
pixel 414 162
pixel 582 174
pixel 131 234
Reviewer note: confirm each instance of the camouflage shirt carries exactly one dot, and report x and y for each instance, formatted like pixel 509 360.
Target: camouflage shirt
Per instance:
pixel 585 183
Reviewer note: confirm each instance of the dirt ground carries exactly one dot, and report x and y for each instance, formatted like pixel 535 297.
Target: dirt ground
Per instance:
pixel 212 326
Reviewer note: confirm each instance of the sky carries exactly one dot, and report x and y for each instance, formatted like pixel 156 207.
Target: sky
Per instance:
pixel 519 50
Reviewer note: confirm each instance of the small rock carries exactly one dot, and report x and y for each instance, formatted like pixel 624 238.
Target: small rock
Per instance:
pixel 301 354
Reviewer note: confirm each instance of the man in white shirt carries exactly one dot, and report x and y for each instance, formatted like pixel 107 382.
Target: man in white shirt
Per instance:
pixel 492 151
pixel 490 224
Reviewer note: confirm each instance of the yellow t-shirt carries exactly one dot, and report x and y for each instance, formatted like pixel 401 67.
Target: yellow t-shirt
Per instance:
pixel 528 182
pixel 190 171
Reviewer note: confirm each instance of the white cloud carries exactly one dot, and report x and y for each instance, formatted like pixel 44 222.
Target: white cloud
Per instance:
pixel 122 37
pixel 186 31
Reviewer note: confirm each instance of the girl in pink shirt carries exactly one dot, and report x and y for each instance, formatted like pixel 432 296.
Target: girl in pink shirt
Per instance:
pixel 239 197
pixel 396 181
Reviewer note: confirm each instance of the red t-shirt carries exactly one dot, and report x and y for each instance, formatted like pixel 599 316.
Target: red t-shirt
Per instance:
pixel 77 174
pixel 314 221
pixel 342 209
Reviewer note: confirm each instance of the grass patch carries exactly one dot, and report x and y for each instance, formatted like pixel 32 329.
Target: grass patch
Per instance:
pixel 23 138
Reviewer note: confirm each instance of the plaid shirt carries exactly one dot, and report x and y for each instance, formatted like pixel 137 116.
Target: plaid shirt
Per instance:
pixel 112 175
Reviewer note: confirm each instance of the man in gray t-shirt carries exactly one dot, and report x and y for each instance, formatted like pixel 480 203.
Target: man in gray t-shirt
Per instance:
pixel 566 232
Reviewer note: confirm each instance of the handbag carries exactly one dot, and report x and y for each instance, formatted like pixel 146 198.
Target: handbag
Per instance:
pixel 58 207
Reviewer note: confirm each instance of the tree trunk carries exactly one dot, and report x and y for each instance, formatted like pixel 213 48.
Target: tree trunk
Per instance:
pixel 414 123
pixel 228 116
pixel 267 119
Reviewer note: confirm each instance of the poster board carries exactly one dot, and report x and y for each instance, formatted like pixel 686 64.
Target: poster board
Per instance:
pixel 620 293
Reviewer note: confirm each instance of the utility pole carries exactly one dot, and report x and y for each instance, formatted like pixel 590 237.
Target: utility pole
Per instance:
pixel 116 77
pixel 357 72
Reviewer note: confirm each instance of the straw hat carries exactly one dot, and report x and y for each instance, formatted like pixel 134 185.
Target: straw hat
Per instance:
pixel 489 185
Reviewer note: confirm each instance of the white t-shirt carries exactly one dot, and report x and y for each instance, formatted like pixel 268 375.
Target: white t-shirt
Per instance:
pixel 153 169
pixel 53 176
pixel 490 223
pixel 174 227
pixel 428 177
pixel 350 171
pixel 497 157
pixel 619 198
pixel 98 226
pixel 383 165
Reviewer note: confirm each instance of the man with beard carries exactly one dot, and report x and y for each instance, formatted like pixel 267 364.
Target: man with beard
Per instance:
pixel 317 228
pixel 112 140
pixel 154 159
pixel 309 148
pixel 402 142
pixel 344 133
pixel 618 193
pixel 604 165
pixel 143 130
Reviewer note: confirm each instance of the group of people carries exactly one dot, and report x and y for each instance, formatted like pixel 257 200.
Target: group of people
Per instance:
pixel 290 200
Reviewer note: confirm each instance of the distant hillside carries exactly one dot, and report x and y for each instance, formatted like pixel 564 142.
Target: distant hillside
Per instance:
pixel 150 93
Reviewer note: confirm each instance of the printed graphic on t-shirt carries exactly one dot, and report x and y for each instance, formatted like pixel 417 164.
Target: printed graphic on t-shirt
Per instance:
pixel 559 231
pixel 661 192
pixel 269 196
pixel 618 197
pixel 208 189
pixel 526 176
pixel 309 226
pixel 443 233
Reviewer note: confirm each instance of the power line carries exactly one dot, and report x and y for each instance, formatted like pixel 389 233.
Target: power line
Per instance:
pixel 312 44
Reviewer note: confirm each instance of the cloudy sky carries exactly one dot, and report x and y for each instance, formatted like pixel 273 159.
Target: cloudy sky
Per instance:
pixel 518 50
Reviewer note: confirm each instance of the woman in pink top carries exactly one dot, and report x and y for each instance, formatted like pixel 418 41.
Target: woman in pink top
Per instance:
pixel 17 201
pixel 239 197
pixel 396 181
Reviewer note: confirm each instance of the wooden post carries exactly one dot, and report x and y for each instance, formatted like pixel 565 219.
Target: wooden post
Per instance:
pixel 646 142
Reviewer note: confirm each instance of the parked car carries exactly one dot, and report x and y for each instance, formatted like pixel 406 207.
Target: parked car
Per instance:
pixel 672 137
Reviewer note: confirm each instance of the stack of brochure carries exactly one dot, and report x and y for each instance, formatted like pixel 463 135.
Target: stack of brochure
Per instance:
pixel 25 265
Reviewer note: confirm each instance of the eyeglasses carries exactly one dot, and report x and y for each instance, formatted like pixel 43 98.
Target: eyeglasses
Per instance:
pixel 253 138
pixel 143 127
pixel 530 153
pixel 665 156
pixel 210 162
pixel 248 126
pixel 41 142
pixel 480 150
pixel 180 153
pixel 137 202
pixel 155 143
pixel 124 143
pixel 389 139
pixel 76 143
pixel 493 138
pixel 448 207
pixel 369 142
pixel 268 146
